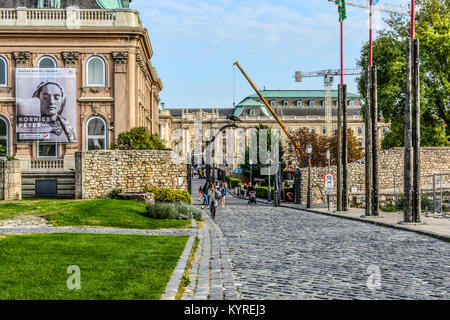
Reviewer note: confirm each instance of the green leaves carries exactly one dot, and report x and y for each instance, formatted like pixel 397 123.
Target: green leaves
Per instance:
pixel 433 32
pixel 138 139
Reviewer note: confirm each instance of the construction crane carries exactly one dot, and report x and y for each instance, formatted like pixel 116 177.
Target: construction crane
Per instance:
pixel 327 82
pixel 382 7
pixel 274 114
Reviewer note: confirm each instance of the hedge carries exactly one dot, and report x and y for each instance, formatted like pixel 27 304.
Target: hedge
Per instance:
pixel 178 211
pixel 234 182
pixel 169 195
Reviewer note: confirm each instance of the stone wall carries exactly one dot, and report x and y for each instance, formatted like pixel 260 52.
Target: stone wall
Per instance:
pixel 99 172
pixel 10 180
pixel 390 169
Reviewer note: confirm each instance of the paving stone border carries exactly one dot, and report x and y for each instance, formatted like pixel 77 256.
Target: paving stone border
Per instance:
pixel 175 280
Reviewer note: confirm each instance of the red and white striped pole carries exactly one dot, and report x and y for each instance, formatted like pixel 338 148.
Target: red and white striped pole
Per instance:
pixel 413 18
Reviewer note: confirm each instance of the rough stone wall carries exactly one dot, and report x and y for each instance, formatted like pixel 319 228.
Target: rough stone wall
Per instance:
pixel 99 172
pixel 10 180
pixel 433 160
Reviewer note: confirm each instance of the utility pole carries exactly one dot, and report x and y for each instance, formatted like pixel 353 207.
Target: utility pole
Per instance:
pixel 339 152
pixel 368 143
pixel 374 115
pixel 344 149
pixel 408 142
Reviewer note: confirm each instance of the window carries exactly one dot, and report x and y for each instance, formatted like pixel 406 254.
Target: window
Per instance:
pixel 351 103
pixel 3 72
pixel 4 134
pixel 48 4
pixel 311 103
pixel 252 112
pixel 96 134
pixel 299 103
pixel 47 62
pixel 335 103
pixel 272 103
pixel 96 72
pixel 323 103
pixel 47 149
pixel 359 130
pixel 285 103
pixel 313 130
pixel 324 131
pixel 384 130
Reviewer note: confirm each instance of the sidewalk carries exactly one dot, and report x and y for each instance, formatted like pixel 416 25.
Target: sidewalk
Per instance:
pixel 436 227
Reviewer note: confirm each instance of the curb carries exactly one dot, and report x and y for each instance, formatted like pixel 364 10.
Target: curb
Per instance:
pixel 175 280
pixel 378 223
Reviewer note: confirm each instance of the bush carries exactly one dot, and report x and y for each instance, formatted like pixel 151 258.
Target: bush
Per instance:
pixel 261 192
pixel 234 182
pixel 178 211
pixel 114 193
pixel 388 208
pixel 169 195
pixel 138 138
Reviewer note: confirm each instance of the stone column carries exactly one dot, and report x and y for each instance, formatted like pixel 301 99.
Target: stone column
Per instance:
pixel 121 112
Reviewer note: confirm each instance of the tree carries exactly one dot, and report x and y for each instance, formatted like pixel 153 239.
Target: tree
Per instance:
pixel 354 151
pixel 433 32
pixel 319 144
pixel 138 138
pixel 256 167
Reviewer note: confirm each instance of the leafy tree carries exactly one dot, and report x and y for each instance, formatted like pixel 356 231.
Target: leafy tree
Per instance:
pixel 354 151
pixel 319 146
pixel 138 138
pixel 256 168
pixel 433 32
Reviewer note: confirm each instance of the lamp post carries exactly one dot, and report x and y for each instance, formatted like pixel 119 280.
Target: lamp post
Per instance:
pixel 309 151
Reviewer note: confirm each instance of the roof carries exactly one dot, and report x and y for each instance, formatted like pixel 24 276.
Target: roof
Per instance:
pixel 250 103
pixel 222 111
pixel 110 4
pixel 300 94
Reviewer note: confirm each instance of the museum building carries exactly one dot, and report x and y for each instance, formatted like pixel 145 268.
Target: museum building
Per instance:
pixel 74 74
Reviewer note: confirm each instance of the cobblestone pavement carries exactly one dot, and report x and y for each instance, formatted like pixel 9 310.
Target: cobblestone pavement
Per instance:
pixel 281 253
pixel 211 272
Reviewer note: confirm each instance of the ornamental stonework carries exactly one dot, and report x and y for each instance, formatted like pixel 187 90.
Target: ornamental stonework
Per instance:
pixel 120 57
pixel 22 57
pixel 70 57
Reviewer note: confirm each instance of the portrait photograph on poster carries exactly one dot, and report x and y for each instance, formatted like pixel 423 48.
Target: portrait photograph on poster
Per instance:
pixel 46 104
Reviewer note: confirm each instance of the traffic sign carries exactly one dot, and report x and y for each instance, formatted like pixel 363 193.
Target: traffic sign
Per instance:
pixel 329 178
pixel 237 170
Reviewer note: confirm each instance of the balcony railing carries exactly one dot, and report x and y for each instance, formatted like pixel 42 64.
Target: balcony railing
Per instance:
pixel 47 165
pixel 70 18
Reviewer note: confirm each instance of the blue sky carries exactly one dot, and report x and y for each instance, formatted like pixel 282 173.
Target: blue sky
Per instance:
pixel 195 44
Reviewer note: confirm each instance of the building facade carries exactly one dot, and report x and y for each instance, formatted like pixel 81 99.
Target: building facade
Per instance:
pixel 296 108
pixel 103 46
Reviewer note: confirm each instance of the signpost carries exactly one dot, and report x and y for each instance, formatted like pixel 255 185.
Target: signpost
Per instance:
pixel 329 179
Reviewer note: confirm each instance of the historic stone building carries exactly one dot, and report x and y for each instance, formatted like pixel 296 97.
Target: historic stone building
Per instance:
pixel 116 86
pixel 296 108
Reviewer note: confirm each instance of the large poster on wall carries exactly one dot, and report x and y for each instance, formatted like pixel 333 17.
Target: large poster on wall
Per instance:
pixel 46 105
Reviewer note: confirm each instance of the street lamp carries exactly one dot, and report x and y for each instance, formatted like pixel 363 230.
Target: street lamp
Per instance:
pixel 328 158
pixel 309 151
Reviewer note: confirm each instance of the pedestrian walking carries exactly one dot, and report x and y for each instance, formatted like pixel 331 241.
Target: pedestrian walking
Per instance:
pixel 205 192
pixel 214 200
pixel 223 193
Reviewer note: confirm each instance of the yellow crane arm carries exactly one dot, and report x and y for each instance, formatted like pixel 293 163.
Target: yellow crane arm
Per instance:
pixel 291 138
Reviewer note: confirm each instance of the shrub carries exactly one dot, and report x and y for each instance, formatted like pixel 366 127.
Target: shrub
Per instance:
pixel 169 195
pixel 114 193
pixel 234 182
pixel 261 192
pixel 162 211
pixel 388 208
pixel 178 211
pixel 138 138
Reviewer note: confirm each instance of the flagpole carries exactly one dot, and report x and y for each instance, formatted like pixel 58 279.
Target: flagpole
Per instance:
pixel 413 18
pixel 342 52
pixel 370 36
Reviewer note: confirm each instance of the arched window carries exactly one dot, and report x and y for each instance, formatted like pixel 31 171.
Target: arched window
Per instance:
pixel 285 103
pixel 47 62
pixel 96 134
pixel 95 72
pixel 3 72
pixel 4 135
pixel 299 103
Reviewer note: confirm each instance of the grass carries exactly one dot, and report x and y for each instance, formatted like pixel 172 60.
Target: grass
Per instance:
pixel 100 212
pixel 112 267
pixel 185 281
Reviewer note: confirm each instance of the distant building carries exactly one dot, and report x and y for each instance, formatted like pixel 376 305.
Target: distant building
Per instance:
pixel 296 108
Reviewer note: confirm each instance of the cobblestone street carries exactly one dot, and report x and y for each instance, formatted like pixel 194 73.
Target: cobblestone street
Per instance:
pixel 281 253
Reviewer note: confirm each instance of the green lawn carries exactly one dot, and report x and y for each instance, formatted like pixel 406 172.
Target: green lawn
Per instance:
pixel 101 212
pixel 112 267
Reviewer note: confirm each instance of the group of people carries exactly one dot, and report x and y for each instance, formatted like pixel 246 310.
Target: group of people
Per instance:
pixel 211 194
pixel 246 189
